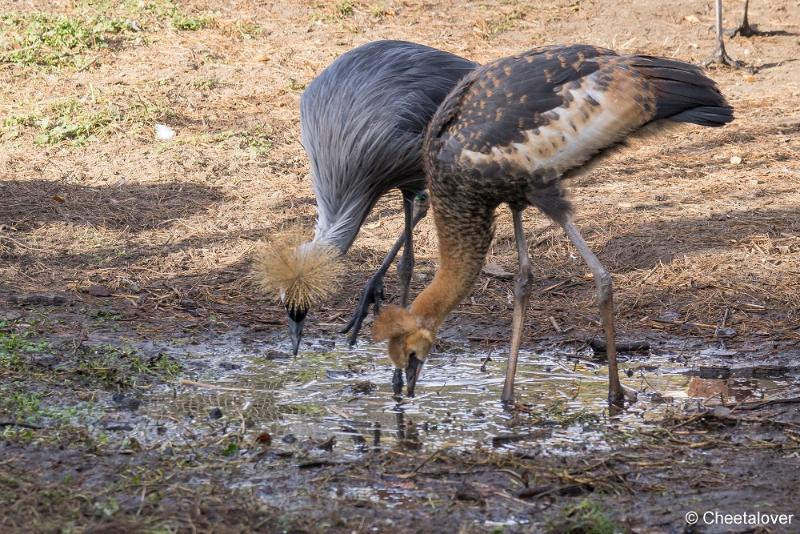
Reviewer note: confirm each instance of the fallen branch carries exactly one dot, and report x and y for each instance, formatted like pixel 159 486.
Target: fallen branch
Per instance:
pixel 21 424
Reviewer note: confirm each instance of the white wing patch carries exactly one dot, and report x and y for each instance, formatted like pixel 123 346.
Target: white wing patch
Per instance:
pixel 593 119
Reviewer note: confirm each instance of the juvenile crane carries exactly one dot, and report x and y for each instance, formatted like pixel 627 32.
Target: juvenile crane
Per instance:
pixel 509 133
pixel 363 120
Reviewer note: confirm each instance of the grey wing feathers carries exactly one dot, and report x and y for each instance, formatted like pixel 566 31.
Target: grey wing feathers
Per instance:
pixel 363 121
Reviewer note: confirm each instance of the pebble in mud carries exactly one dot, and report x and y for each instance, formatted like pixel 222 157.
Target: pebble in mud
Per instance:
pixel 289 438
pixel 272 354
pixel 363 387
pixel 215 413
pixel 125 402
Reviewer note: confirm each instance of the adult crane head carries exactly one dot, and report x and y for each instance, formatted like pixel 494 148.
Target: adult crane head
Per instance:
pixel 302 274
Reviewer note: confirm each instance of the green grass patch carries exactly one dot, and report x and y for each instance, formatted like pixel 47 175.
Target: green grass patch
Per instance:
pixel 231 449
pixel 345 8
pixel 310 409
pixel 586 517
pixel 248 30
pixel 560 413
pixel 206 83
pixel 258 141
pixel 54 41
pixel 170 11
pixel 124 366
pixel 184 22
pixel 15 343
pixel 68 120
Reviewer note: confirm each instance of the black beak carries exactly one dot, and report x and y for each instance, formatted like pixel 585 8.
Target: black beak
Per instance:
pixel 296 320
pixel 397 382
pixel 413 371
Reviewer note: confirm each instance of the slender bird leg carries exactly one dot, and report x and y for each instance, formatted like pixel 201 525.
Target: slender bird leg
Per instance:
pixel 522 292
pixel 373 291
pixel 405 267
pixel 744 29
pixel 605 300
pixel 720 56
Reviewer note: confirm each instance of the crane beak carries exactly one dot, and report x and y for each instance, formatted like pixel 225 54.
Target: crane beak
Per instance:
pixel 413 372
pixel 296 320
pixel 397 382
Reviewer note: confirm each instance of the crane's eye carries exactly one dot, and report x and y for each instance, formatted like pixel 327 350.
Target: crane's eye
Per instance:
pixel 412 354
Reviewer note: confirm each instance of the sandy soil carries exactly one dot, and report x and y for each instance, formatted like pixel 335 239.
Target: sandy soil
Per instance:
pixel 113 237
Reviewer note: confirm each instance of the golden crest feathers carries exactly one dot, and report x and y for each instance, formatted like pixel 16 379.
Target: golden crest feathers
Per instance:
pixel 303 274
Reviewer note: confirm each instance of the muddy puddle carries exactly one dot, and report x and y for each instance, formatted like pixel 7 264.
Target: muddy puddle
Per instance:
pixel 336 401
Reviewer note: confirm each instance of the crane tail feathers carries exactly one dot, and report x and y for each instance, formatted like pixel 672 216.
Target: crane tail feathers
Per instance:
pixel 683 93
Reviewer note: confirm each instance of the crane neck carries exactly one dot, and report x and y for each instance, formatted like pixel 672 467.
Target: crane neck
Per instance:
pixel 463 242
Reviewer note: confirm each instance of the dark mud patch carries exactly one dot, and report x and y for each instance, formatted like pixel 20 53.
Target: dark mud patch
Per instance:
pixel 104 428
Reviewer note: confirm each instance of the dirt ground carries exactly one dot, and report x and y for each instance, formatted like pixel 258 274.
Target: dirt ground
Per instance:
pixel 114 243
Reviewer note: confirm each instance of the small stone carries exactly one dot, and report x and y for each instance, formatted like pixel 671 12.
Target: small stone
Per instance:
pixel 272 354
pixel 215 413
pixel 363 387
pixel 289 438
pixel 164 132
pixel 328 444
pixel 10 315
pixel 735 160
pixel 497 271
pixel 96 290
pixel 125 402
pixel 229 366
pixel 722 412
pixel 726 331
pixel 692 18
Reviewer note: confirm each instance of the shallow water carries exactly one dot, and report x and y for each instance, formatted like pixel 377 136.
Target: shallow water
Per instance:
pixel 345 393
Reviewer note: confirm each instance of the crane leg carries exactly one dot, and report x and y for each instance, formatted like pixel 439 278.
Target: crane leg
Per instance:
pixel 405 267
pixel 522 293
pixel 744 29
pixel 605 301
pixel 373 290
pixel 720 56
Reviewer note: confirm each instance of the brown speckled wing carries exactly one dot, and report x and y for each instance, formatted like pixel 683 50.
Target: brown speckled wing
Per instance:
pixel 545 112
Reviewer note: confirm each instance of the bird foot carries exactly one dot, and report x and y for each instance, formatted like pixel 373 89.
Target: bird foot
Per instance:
pixel 744 30
pixel 372 294
pixel 721 58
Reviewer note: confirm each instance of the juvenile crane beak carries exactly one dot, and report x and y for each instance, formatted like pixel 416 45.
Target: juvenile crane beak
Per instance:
pixel 413 372
pixel 397 382
pixel 296 320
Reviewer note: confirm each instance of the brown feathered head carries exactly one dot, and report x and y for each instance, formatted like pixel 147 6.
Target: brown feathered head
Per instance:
pixel 409 344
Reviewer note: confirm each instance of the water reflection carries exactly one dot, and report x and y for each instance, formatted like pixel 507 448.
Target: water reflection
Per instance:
pixel 348 394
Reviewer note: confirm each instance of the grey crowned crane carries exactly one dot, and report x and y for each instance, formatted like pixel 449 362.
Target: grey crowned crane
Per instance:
pixel 363 120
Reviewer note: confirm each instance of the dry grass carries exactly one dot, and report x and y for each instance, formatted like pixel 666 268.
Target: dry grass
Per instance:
pixel 682 228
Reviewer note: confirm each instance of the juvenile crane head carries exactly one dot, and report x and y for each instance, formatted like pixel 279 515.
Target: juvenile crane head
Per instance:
pixel 409 344
pixel 302 274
